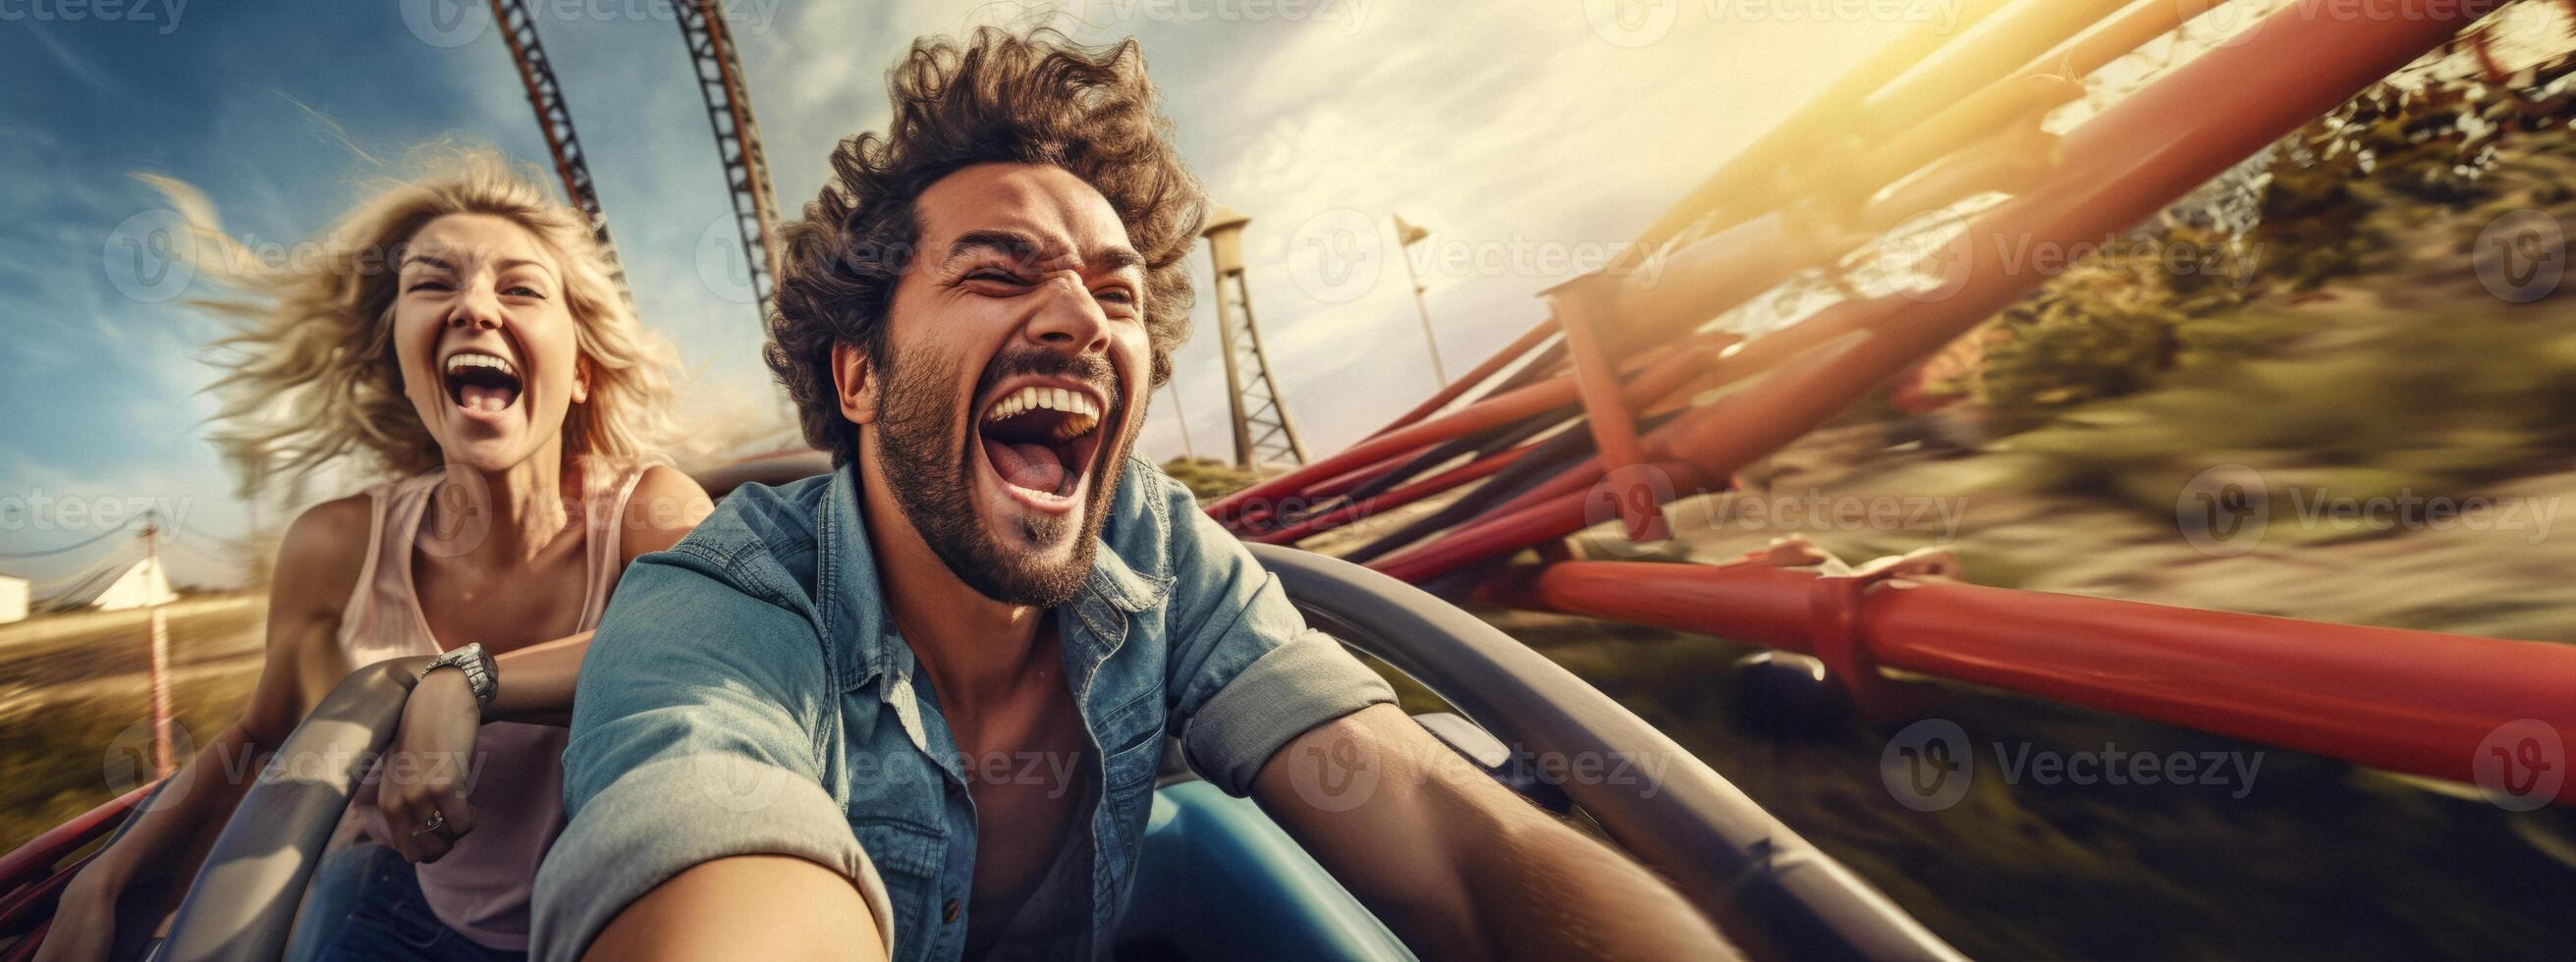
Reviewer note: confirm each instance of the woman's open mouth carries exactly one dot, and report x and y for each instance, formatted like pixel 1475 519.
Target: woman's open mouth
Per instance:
pixel 480 382
pixel 1040 440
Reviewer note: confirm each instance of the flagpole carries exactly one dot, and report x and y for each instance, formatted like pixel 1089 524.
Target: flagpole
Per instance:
pixel 1421 306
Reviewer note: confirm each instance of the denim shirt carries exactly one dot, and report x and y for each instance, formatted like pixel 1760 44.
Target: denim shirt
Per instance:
pixel 748 694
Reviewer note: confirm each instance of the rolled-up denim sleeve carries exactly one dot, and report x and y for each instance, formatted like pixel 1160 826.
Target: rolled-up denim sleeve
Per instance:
pixel 695 736
pixel 1246 673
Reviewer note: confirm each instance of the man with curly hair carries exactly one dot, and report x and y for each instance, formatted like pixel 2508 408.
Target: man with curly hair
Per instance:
pixel 914 708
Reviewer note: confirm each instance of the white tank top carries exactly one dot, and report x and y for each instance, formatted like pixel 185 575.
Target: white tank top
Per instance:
pixel 480 888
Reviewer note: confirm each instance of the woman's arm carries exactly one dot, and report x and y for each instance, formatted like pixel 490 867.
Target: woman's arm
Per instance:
pixel 536 682
pixel 141 878
pixel 533 685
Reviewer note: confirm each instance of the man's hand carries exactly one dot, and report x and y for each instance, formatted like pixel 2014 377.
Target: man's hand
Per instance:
pixel 423 792
pixel 1459 865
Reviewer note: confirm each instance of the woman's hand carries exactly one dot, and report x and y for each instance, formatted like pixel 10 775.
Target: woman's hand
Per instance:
pixel 423 793
pixel 84 927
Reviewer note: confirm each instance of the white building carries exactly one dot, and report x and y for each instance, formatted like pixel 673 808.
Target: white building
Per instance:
pixel 142 585
pixel 13 599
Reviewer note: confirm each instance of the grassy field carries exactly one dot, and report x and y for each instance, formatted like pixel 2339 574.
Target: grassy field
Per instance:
pixel 76 704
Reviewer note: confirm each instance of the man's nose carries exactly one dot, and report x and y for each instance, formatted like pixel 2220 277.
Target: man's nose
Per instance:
pixel 1069 319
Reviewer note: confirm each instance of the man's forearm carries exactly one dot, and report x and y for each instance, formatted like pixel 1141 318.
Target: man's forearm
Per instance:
pixel 1457 864
pixel 755 908
pixel 1540 889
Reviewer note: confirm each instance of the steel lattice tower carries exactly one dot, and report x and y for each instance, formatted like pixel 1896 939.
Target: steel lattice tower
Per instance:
pixel 710 43
pixel 1263 432
pixel 554 119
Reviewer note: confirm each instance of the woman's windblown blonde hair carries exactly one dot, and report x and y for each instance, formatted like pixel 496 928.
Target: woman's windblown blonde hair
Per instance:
pixel 310 374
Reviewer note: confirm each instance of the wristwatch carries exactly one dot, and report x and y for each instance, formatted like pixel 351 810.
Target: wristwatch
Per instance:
pixel 481 675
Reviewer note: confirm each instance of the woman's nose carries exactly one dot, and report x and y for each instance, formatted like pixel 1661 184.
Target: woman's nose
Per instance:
pixel 475 310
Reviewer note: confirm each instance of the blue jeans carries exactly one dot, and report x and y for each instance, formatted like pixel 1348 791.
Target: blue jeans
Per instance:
pixel 386 916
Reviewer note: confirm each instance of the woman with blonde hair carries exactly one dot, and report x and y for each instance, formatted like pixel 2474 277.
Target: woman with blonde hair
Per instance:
pixel 463 337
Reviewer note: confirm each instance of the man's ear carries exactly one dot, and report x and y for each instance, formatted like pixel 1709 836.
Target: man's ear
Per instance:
pixel 853 383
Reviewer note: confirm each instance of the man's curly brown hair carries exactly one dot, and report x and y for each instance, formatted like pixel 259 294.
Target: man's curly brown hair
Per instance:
pixel 997 97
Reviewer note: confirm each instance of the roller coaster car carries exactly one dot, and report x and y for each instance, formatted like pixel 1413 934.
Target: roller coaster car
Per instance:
pixel 1206 857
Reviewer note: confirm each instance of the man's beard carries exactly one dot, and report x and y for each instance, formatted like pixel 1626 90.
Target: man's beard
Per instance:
pixel 927 452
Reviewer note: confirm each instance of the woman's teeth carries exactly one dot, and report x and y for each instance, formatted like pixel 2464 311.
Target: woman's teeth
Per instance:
pixel 482 382
pixel 457 363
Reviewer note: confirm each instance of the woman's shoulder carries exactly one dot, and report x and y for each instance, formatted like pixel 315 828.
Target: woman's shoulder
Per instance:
pixel 664 507
pixel 323 551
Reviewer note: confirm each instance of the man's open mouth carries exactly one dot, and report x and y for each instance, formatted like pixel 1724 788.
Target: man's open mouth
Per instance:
pixel 477 381
pixel 1041 438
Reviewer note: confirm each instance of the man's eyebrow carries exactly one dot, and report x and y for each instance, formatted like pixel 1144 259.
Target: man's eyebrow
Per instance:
pixel 1113 259
pixel 1026 250
pixel 1010 244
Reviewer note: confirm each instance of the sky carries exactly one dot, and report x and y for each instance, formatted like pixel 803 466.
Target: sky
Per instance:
pixel 1534 138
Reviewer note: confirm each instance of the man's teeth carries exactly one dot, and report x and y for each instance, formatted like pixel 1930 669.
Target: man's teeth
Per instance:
pixel 1085 413
pixel 461 361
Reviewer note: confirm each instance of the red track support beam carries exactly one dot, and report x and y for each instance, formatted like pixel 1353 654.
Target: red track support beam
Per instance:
pixel 1468 381
pixel 2120 168
pixel 2409 701
pixel 1606 411
pixel 1407 494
